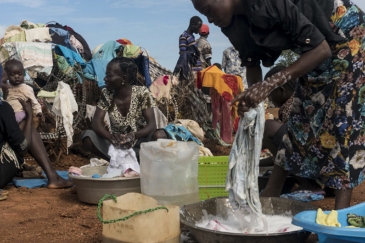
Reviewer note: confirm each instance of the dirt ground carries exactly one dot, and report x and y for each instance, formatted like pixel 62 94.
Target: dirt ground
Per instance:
pixel 44 215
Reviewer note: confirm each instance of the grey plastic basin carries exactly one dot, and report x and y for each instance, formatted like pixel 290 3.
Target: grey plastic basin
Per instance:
pixel 91 190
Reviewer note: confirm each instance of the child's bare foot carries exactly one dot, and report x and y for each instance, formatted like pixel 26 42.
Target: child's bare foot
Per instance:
pixel 59 183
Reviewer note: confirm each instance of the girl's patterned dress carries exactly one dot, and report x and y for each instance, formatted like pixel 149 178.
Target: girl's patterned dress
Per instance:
pixel 326 138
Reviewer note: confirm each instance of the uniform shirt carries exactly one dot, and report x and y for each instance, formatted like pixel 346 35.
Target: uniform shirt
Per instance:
pixel 270 26
pixel 231 64
pixel 205 50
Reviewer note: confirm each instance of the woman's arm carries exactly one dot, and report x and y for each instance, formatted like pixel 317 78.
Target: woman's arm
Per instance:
pixel 306 63
pixel 149 116
pixel 27 131
pixel 18 140
pixel 4 84
pixel 97 125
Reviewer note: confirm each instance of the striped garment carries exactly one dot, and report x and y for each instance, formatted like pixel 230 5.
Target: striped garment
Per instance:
pixel 34 56
pixel 186 40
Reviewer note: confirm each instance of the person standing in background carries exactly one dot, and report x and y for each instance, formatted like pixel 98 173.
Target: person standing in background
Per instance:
pixel 204 46
pixel 231 64
pixel 188 50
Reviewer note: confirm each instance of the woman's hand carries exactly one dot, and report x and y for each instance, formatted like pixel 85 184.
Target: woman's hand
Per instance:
pixel 122 141
pixel 41 117
pixel 5 89
pixel 27 107
pixel 127 141
pixel 253 96
pixel 115 138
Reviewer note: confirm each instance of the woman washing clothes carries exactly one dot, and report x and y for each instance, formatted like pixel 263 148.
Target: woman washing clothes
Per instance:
pixel 282 98
pixel 325 138
pixel 130 108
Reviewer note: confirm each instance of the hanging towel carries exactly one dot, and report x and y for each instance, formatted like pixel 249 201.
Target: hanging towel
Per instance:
pixel 64 105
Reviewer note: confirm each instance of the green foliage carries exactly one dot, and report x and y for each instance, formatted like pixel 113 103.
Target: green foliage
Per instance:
pixel 286 58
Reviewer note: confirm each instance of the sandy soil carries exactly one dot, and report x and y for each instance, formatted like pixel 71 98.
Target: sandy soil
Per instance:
pixel 44 215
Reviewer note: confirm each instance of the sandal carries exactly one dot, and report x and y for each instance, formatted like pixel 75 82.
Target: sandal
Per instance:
pixel 3 197
pixel 3 193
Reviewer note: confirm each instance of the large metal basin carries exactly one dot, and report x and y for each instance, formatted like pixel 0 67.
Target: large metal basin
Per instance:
pixel 192 213
pixel 91 190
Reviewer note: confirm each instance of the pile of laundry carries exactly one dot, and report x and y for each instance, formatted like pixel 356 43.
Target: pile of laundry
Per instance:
pixel 67 77
pixel 53 53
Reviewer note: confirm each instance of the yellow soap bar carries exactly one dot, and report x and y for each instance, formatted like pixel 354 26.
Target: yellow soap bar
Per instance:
pixel 330 219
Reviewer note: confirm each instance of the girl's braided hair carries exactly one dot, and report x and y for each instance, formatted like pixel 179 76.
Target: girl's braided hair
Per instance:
pixel 128 67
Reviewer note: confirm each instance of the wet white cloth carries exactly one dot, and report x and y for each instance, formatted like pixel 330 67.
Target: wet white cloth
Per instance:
pixel 243 171
pixel 64 105
pixel 120 161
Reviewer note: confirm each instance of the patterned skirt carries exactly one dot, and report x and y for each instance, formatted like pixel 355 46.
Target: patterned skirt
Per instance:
pixel 10 164
pixel 326 138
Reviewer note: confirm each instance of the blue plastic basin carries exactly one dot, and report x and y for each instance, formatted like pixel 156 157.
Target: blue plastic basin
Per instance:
pixel 327 234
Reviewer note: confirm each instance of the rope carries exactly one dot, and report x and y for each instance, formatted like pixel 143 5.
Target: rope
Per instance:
pixel 107 196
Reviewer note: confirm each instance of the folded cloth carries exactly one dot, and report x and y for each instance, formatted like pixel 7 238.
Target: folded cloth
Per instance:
pixel 303 196
pixel 356 220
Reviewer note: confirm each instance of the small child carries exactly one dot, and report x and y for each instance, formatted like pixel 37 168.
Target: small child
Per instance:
pixel 17 89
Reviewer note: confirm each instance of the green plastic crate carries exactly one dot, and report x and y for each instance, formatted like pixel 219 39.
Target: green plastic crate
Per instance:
pixel 212 176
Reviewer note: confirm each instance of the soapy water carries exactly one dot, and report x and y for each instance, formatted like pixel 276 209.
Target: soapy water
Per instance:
pixel 243 225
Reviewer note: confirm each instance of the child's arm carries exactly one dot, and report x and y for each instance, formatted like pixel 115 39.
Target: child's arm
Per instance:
pixel 37 108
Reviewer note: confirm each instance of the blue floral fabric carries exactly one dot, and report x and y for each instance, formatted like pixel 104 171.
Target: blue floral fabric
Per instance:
pixel 180 133
pixel 326 138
